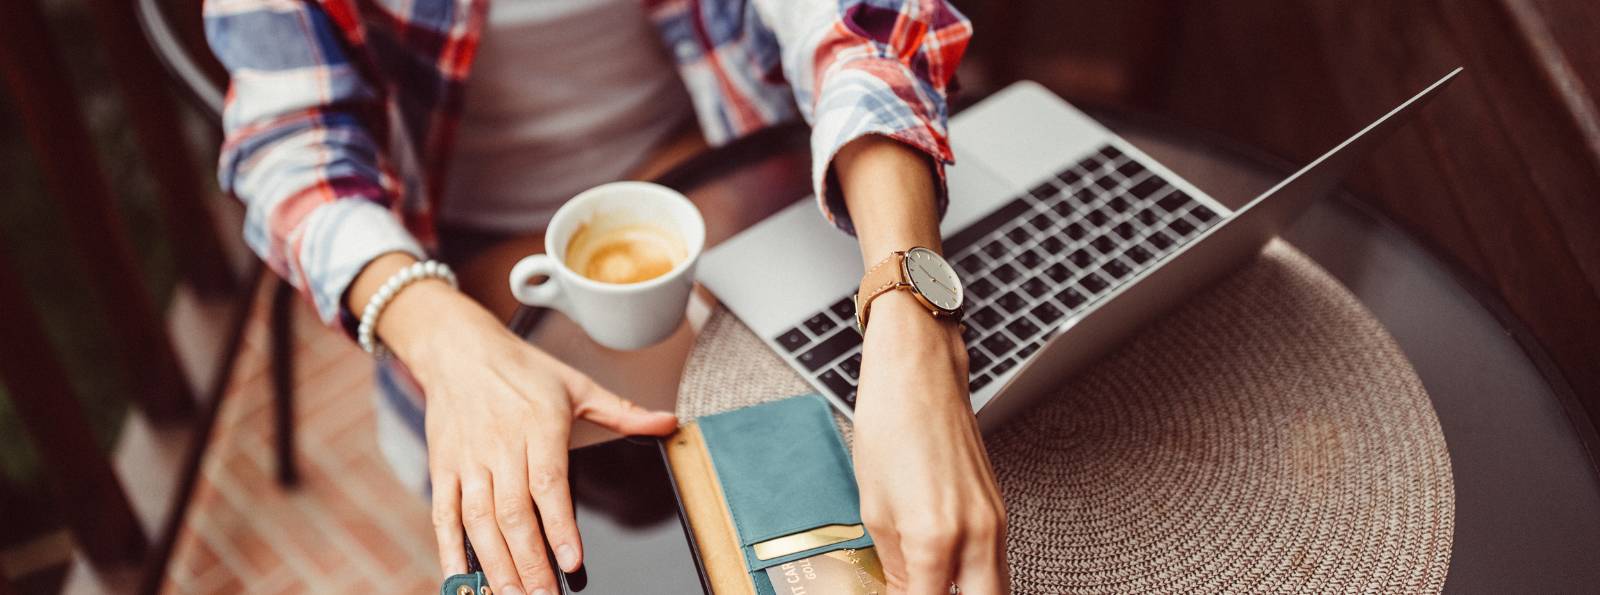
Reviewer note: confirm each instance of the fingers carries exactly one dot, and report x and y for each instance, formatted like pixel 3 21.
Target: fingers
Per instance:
pixel 478 515
pixel 614 413
pixel 930 562
pixel 447 524
pixel 886 542
pixel 983 572
pixel 547 481
pixel 513 513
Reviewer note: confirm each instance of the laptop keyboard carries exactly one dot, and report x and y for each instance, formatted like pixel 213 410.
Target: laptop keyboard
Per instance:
pixel 1039 259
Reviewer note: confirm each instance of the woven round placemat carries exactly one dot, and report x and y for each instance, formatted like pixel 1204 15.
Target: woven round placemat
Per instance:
pixel 1268 436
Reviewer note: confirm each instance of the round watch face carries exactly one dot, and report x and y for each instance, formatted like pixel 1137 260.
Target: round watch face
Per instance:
pixel 934 279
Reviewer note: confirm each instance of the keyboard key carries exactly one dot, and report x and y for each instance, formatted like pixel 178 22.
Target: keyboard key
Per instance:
pixel 1023 329
pixel 1091 163
pixel 830 349
pixel 1006 273
pixel 1069 176
pixel 1035 287
pixel 1012 302
pixel 977 360
pixel 1097 217
pixel 1105 182
pixel 1130 169
pixel 1063 207
pixel 969 264
pixel 995 249
pixel 1041 221
pixel 1071 297
pixel 1182 226
pixel 1017 234
pixel 844 309
pixel 1174 202
pixel 1104 244
pixel 970 333
pixel 1046 313
pixel 1052 245
pixel 1081 258
pixel 794 339
pixel 1110 152
pixel 1160 241
pixel 1030 259
pixel 1149 187
pixel 1093 283
pixel 999 344
pixel 979 382
pixel 851 366
pixel 1119 204
pixel 982 288
pixel 986 318
pixel 1203 213
pixel 1043 191
pixel 1115 269
pixel 1028 349
pixel 820 324
pixel 1058 272
pixel 1137 254
pixel 1076 231
pixel 837 384
pixel 1003 366
pixel 1126 230
pixel 1148 216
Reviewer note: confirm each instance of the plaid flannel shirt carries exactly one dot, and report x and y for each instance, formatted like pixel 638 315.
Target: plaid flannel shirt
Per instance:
pixel 340 113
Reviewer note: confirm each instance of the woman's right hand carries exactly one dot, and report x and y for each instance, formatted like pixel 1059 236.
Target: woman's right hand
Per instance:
pixel 498 415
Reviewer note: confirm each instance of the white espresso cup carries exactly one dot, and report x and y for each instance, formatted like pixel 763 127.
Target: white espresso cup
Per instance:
pixel 616 315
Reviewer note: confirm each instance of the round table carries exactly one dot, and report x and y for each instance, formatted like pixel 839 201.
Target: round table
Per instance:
pixel 1527 495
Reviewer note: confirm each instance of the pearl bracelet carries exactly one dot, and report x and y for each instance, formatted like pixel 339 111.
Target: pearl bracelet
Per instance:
pixel 366 334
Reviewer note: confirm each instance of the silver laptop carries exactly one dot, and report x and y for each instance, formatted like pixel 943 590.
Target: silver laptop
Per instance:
pixel 1066 237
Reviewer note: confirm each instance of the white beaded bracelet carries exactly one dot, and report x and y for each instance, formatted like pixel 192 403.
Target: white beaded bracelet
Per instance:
pixel 366 334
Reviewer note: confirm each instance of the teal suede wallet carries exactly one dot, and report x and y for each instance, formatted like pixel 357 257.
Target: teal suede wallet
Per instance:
pixel 751 477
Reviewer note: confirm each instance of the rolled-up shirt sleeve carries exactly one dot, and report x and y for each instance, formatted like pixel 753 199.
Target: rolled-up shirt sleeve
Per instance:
pixel 300 149
pixel 860 67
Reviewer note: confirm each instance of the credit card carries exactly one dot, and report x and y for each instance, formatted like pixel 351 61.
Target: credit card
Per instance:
pixel 795 543
pixel 845 572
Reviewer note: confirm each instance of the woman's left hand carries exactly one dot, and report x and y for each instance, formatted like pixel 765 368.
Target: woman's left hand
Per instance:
pixel 928 494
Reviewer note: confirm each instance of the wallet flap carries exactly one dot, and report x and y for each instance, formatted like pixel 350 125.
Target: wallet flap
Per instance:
pixel 782 469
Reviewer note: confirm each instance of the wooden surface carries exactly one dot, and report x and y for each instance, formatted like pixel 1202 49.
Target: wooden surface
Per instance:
pixel 1501 174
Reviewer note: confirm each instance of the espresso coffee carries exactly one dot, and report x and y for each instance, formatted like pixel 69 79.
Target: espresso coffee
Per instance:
pixel 629 253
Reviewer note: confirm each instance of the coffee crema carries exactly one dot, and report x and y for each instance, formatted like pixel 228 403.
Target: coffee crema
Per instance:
pixel 625 253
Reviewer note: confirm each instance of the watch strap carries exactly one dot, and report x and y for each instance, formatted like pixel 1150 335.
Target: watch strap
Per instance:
pixel 884 276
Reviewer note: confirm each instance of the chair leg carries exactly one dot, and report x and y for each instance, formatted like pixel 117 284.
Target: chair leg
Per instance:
pixel 282 329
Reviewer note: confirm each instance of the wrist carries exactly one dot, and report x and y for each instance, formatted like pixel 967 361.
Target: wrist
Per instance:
pixel 416 314
pixel 899 319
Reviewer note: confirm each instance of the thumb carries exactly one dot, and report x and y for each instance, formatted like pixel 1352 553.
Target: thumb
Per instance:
pixel 598 405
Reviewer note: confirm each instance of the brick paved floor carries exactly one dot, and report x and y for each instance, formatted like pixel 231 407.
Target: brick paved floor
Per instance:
pixel 349 527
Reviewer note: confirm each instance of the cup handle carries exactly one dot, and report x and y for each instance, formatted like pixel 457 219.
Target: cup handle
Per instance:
pixel 547 293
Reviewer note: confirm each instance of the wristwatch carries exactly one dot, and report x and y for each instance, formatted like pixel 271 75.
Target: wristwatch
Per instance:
pixel 919 270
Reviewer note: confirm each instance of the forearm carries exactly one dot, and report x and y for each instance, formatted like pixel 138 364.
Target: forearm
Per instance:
pixel 890 191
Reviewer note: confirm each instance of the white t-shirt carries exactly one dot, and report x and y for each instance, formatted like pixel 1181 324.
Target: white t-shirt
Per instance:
pixel 564 95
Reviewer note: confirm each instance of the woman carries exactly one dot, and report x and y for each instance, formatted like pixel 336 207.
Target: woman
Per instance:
pixel 345 117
